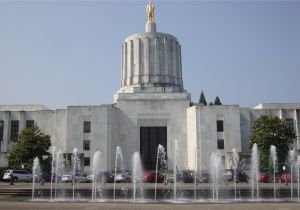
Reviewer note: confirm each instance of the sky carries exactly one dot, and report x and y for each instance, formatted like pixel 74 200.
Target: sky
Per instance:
pixel 67 53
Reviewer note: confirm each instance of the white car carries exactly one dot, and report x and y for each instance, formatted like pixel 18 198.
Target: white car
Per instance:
pixel 18 175
pixel 67 178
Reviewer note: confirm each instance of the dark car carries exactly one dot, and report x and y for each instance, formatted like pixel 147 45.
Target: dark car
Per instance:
pixel 107 177
pixel 46 176
pixel 150 177
pixel 241 176
pixel 187 177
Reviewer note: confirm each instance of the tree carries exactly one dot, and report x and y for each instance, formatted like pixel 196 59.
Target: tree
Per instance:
pixel 211 103
pixel 217 101
pixel 31 143
pixel 267 131
pixel 202 99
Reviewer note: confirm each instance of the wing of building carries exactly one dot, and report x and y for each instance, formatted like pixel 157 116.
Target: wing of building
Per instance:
pixel 150 108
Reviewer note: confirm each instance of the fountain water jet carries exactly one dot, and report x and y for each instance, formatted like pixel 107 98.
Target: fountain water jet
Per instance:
pixel 76 167
pixel 160 158
pixel 53 161
pixel 254 171
pixel 197 150
pixel 292 160
pixel 274 160
pixel 137 173
pixel 216 173
pixel 96 173
pixel 235 160
pixel 119 155
pixel 175 168
pixel 59 165
pixel 298 176
pixel 36 172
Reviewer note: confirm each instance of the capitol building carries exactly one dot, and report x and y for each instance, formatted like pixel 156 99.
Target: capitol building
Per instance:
pixel 151 107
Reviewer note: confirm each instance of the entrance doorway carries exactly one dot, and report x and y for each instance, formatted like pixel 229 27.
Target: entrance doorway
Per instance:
pixel 150 138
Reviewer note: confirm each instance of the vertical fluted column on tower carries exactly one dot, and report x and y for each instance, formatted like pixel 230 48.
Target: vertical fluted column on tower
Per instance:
pixel 174 67
pixel 124 64
pixel 156 60
pixel 136 62
pixel 180 67
pixel 146 60
pixel 166 58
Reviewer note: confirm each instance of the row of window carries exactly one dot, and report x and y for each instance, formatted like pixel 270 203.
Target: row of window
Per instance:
pixel 14 129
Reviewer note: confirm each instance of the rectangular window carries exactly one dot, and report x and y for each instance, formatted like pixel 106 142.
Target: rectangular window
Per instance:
pixel 87 126
pixel 290 123
pixel 14 130
pixel 87 161
pixel 220 143
pixel 1 129
pixel 220 126
pixel 86 144
pixel 29 123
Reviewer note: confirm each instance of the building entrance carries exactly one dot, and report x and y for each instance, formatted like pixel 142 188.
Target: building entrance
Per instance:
pixel 150 138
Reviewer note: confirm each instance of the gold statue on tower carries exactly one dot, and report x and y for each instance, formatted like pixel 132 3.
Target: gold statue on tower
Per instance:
pixel 150 11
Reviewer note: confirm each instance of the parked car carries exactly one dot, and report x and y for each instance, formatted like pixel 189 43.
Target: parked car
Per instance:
pixel 187 177
pixel 286 177
pixel 241 176
pixel 44 176
pixel 229 175
pixel 203 178
pixel 105 177
pixel 170 178
pixel 67 178
pixel 265 177
pixel 150 177
pixel 77 178
pixel 18 175
pixel 125 176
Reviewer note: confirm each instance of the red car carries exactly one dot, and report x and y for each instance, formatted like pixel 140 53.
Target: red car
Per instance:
pixel 285 177
pixel 150 177
pixel 265 177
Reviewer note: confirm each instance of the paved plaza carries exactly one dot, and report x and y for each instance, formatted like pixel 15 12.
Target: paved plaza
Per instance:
pixel 11 205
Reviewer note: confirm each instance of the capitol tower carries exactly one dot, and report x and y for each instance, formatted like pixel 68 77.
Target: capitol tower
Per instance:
pixel 151 100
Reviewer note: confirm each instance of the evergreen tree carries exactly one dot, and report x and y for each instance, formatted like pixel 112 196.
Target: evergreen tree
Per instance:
pixel 211 103
pixel 31 143
pixel 202 100
pixel 267 131
pixel 217 101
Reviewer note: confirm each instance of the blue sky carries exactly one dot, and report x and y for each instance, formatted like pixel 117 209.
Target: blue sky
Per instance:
pixel 61 53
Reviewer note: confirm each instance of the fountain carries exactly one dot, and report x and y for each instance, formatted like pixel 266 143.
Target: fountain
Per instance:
pixel 274 160
pixel 119 155
pixel 255 171
pixel 76 167
pixel 216 173
pixel 298 175
pixel 137 191
pixel 175 168
pixel 137 173
pixel 292 161
pixel 197 150
pixel 160 161
pixel 59 165
pixel 96 174
pixel 235 160
pixel 35 174
pixel 53 161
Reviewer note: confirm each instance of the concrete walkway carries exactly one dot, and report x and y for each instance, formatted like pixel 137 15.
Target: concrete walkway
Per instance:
pixel 6 205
